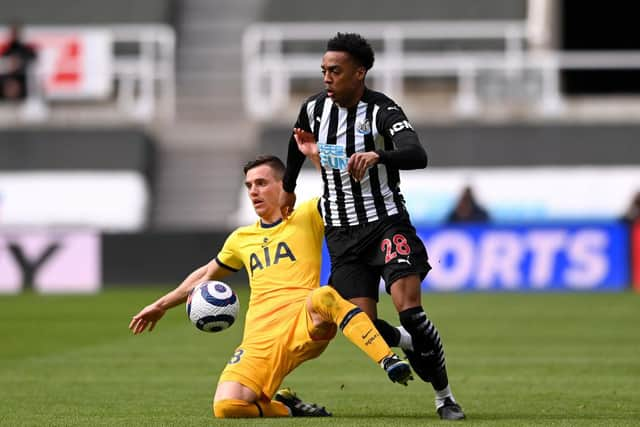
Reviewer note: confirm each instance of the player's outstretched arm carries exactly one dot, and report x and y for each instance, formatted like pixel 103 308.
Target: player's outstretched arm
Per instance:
pixel 151 314
pixel 147 317
pixel 295 159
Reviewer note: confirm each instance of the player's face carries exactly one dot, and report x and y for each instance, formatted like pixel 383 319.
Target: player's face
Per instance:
pixel 264 190
pixel 343 78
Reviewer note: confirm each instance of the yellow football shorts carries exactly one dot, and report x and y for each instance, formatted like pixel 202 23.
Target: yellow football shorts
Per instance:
pixel 262 363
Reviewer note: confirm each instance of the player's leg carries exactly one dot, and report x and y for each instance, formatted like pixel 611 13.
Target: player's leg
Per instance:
pixel 357 282
pixel 395 336
pixel 428 355
pixel 405 293
pixel 353 279
pixel 235 400
pixel 242 384
pixel 356 279
pixel 404 262
pixel 326 307
pixel 367 305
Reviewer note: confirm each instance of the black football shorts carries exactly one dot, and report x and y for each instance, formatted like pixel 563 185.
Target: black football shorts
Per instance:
pixel 360 255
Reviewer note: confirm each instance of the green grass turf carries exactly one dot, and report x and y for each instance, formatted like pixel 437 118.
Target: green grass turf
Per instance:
pixel 514 360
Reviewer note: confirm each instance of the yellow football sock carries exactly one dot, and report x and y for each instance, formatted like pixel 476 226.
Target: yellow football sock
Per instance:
pixel 235 408
pixel 354 323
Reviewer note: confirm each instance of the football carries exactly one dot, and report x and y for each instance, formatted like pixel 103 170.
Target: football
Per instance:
pixel 212 306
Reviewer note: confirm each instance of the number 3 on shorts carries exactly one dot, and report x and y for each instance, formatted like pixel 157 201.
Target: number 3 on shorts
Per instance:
pixel 236 356
pixel 398 245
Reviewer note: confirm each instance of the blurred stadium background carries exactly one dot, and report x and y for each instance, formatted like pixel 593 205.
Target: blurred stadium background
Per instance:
pixel 123 166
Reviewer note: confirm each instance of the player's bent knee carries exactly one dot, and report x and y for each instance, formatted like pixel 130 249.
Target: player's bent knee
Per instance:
pixel 324 299
pixel 327 303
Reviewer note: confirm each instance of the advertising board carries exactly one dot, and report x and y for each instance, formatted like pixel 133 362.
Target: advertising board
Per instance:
pixel 546 257
pixel 50 261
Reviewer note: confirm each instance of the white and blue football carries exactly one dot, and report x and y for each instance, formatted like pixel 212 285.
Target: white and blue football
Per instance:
pixel 212 306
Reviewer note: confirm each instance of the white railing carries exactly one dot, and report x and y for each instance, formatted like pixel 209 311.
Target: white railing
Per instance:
pixel 140 76
pixel 269 67
pixel 152 70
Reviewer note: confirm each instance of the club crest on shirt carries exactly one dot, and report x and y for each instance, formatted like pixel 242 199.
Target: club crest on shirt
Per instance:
pixel 364 127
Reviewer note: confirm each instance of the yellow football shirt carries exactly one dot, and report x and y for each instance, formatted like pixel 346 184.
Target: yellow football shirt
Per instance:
pixel 283 264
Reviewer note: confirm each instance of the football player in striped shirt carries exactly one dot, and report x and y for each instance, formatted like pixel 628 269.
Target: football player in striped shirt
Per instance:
pixel 362 139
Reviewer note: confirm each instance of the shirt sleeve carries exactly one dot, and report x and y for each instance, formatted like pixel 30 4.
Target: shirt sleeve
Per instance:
pixel 295 158
pixel 408 152
pixel 228 257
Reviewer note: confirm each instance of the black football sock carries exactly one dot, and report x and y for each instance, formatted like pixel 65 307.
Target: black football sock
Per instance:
pixel 394 336
pixel 389 333
pixel 429 354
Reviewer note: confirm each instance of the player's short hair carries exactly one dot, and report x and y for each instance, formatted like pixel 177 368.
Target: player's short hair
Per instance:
pixel 273 162
pixel 355 45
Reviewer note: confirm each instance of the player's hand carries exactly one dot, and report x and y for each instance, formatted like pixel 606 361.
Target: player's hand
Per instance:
pixel 307 146
pixel 360 162
pixel 148 317
pixel 303 137
pixel 287 202
pixel 306 142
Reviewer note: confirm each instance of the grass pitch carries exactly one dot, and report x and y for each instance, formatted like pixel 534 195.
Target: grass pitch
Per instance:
pixel 514 360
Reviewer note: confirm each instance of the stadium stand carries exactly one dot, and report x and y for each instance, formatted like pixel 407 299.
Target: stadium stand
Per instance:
pixel 211 138
pixel 198 152
pixel 499 132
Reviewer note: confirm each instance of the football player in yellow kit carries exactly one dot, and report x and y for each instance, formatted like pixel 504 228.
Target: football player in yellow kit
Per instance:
pixel 290 318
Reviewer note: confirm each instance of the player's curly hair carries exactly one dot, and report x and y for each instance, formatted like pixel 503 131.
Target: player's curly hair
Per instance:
pixel 273 162
pixel 355 45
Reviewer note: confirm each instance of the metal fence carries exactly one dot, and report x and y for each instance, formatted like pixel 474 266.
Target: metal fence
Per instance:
pixel 500 51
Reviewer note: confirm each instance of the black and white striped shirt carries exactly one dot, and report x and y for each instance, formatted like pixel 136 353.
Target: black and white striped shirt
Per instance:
pixel 376 123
